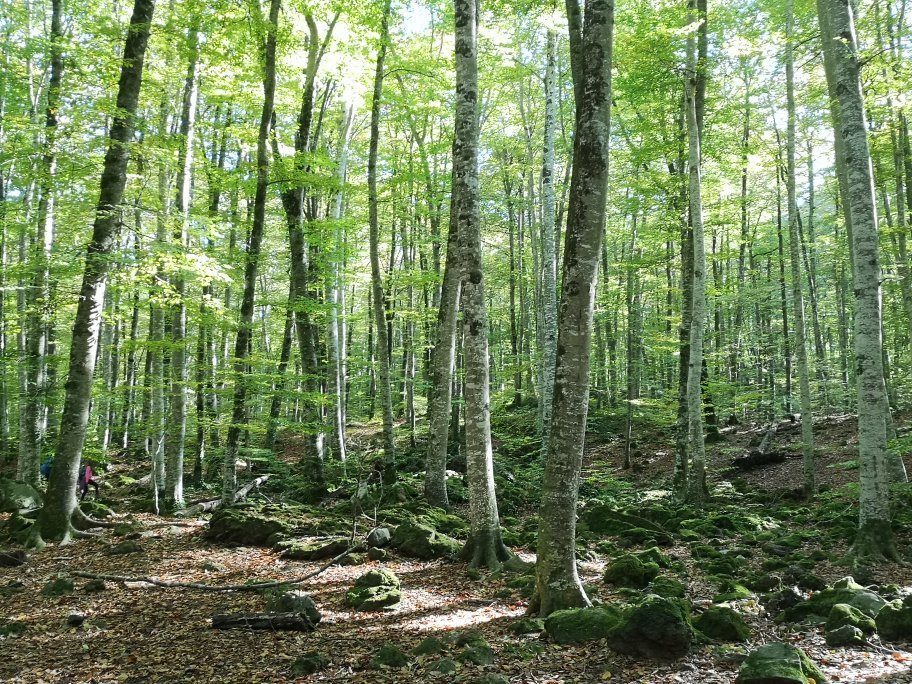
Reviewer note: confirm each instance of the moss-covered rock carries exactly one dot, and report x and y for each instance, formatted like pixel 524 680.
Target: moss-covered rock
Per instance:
pixel 630 571
pixel 477 653
pixel 374 590
pixel 732 591
pixel 778 664
pixel 847 635
pixel 843 614
pixel 423 541
pixel 429 646
pixel 668 587
pixel 95 509
pixel 845 590
pixel 894 621
pixel 57 587
pixel 294 601
pixel 578 625
pixel 721 623
pixel 444 666
pixel 604 518
pixel 527 626
pixel 312 549
pixel 654 555
pixel 94 586
pixel 12 628
pixel 245 527
pixel 389 655
pixel 657 628
pixel 17 496
pixel 18 527
pixel 309 663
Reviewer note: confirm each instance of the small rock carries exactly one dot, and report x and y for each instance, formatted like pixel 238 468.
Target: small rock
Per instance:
pixel 722 624
pixel 478 653
pixel 57 587
pixel 378 537
pixel 445 666
pixel 75 619
pixel 847 635
pixel 528 626
pixel 125 547
pixel 212 566
pixel 374 590
pixel 94 586
pixel 309 663
pixel 429 646
pixel 376 554
pixel 777 663
pixel 389 655
pixel 295 601
pixel 843 614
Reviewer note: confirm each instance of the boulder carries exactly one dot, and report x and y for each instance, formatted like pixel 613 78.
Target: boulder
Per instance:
pixel 630 571
pixel 843 614
pixel 18 527
pixel 423 541
pixel 778 664
pixel 847 635
pixel 389 655
pixel 312 549
pixel 376 554
pixel 294 601
pixel 95 509
pixel 721 623
pixel 374 590
pixel 668 587
pixel 308 664
pixel 657 628
pixel 845 590
pixel 378 537
pixel 243 527
pixel 782 600
pixel 894 621
pixel 17 496
pixel 578 625
pixel 429 646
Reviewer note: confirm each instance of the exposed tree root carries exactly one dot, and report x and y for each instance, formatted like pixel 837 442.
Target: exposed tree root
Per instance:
pixel 486 550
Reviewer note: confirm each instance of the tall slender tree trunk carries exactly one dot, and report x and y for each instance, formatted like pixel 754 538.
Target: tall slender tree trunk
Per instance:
pixel 383 342
pixel 557 580
pixel 875 535
pixel 485 547
pixel 804 384
pixel 254 243
pixel 697 482
pixel 548 251
pixel 177 432
pixel 54 520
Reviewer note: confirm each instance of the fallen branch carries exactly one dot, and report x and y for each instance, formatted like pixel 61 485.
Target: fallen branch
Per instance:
pixel 12 559
pixel 212 504
pixel 211 587
pixel 287 621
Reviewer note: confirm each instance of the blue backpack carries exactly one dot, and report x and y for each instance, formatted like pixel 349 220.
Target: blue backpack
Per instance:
pixel 46 469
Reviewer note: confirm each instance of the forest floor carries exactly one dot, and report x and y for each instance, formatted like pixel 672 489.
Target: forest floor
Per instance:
pixel 135 633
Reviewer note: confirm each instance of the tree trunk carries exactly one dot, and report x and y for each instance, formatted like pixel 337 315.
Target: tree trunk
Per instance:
pixel 557 580
pixel 484 547
pixel 875 536
pixel 245 323
pixel 383 342
pixel 54 521
pixel 804 384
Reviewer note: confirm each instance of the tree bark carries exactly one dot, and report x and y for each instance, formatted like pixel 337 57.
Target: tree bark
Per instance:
pixel 557 580
pixel 875 535
pixel 54 521
pixel 254 243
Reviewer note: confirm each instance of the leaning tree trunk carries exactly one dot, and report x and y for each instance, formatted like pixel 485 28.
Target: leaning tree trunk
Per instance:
pixel 548 249
pixel 177 430
pixel 557 580
pixel 807 417
pixel 875 535
pixel 383 342
pixel 245 323
pixel 54 521
pixel 484 547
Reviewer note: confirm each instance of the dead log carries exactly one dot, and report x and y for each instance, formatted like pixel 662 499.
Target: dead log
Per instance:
pixel 273 621
pixel 212 504
pixel 756 458
pixel 12 559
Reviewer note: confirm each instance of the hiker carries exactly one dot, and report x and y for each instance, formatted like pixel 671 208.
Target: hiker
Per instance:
pixel 85 479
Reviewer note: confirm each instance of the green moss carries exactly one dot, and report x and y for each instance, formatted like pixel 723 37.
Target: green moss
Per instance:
pixel 429 646
pixel 445 666
pixel 313 549
pixel 309 663
pixel 477 653
pixel 528 626
pixel 654 555
pixel 375 590
pixel 579 625
pixel 389 655
pixel 847 635
pixel 125 547
pixel 657 628
pixel 721 623
pixel 732 591
pixel 423 541
pixel 630 571
pixel 57 587
pixel 668 587
pixel 779 664
pixel 246 528
pixel 894 621
pixel 843 614
pixel 845 590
